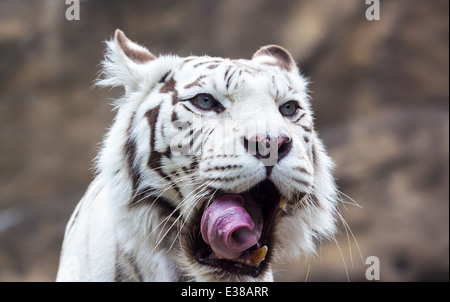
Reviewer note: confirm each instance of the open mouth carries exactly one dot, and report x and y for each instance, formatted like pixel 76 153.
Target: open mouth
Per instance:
pixel 236 230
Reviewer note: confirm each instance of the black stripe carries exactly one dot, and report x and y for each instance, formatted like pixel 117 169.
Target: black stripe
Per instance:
pixel 154 161
pixel 188 60
pixel 196 82
pixel 300 195
pixel 206 62
pixel 175 187
pixel 150 196
pixel 226 73
pixel 302 170
pixel 130 156
pixel 142 196
pixel 194 164
pixel 189 134
pixel 223 168
pixel 307 129
pixel 224 179
pixel 169 87
pixel 131 259
pixel 302 182
pixel 130 151
pixel 166 207
pixel 187 108
pixel 163 79
pixel 317 203
pixel 221 155
pixel 194 136
pixel 314 155
pixel 206 137
pixel 301 116
pixel 213 66
pixel 229 79
pixel 118 273
pixel 174 116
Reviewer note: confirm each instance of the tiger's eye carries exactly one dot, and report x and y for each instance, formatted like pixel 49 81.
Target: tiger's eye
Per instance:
pixel 289 109
pixel 205 101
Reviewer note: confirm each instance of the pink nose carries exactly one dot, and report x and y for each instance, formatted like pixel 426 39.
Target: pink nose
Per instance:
pixel 260 145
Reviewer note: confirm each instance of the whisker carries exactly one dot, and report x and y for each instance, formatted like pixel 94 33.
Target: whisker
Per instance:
pixel 208 202
pixel 353 202
pixel 168 186
pixel 309 267
pixel 164 221
pixel 185 201
pixel 342 257
pixel 346 225
pixel 348 239
pixel 201 189
pixel 189 204
pixel 193 202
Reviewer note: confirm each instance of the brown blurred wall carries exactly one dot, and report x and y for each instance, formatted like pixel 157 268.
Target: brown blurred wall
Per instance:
pixel 380 91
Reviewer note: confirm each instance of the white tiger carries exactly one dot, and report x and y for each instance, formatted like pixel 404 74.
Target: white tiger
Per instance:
pixel 211 171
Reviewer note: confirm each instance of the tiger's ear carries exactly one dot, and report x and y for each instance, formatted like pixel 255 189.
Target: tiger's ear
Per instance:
pixel 124 62
pixel 134 52
pixel 275 55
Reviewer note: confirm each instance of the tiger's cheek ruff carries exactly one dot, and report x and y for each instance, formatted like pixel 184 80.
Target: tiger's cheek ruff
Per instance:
pixel 191 136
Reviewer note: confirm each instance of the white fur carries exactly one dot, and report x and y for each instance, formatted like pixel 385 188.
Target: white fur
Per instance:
pixel 104 230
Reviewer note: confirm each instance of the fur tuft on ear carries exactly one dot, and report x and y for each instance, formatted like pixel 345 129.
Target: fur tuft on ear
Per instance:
pixel 124 62
pixel 276 56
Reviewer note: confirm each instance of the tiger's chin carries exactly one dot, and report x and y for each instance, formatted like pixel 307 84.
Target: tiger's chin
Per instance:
pixel 233 234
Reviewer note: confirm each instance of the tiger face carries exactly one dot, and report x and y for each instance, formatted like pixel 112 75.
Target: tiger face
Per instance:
pixel 223 168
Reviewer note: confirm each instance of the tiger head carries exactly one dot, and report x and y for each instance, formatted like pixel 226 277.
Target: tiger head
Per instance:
pixel 216 162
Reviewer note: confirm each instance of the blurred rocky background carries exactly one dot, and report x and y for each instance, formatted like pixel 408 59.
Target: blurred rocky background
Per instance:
pixel 380 91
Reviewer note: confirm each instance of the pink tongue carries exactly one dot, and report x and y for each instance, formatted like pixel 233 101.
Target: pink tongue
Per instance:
pixel 228 227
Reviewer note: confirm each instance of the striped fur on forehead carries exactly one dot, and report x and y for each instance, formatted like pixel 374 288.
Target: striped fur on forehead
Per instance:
pixel 226 77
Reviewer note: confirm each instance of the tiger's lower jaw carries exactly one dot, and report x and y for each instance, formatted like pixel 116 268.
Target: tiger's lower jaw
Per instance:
pixel 244 265
pixel 254 261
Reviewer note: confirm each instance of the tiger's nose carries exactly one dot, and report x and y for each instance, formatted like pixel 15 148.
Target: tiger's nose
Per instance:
pixel 268 149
